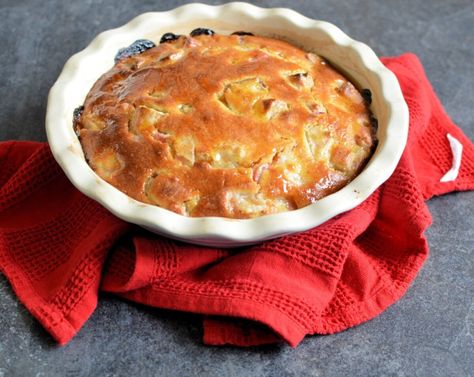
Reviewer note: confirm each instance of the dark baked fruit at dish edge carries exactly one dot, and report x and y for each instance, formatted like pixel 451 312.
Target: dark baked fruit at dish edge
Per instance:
pixel 168 37
pixel 136 47
pixel 77 112
pixel 201 31
pixel 242 33
pixel 235 126
pixel 367 95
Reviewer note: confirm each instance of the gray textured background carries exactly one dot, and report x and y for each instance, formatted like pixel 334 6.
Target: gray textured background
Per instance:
pixel 427 333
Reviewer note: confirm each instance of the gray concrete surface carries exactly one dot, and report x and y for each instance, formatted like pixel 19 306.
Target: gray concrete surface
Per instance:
pixel 427 333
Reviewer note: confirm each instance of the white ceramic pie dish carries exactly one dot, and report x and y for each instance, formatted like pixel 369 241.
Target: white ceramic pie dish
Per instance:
pixel 353 58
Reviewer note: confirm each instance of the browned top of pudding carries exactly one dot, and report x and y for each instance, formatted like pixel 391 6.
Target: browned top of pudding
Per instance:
pixel 232 126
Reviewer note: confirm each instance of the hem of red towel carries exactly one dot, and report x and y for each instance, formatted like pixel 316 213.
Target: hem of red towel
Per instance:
pixel 282 324
pixel 220 331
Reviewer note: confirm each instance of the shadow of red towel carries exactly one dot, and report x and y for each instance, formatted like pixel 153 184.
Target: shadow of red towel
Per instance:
pixel 58 248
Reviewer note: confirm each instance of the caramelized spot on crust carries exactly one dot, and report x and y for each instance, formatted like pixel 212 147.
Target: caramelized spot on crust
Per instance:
pixel 145 120
pixel 240 96
pixel 107 163
pixel 301 80
pixel 270 108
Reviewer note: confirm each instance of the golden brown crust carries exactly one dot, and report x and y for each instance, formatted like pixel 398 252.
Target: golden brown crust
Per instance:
pixel 232 126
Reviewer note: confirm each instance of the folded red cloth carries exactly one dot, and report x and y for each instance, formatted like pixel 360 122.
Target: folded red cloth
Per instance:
pixel 55 243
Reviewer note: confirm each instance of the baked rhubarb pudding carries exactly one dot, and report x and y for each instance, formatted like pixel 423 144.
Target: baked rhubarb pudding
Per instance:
pixel 235 126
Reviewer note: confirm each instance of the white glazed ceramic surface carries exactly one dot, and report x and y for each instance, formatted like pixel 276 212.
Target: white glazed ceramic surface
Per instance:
pixel 353 58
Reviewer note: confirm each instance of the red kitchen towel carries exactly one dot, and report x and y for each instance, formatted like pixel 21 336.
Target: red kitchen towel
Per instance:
pixel 58 248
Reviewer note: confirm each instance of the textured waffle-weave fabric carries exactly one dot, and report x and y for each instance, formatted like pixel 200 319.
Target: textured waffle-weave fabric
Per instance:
pixel 59 248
